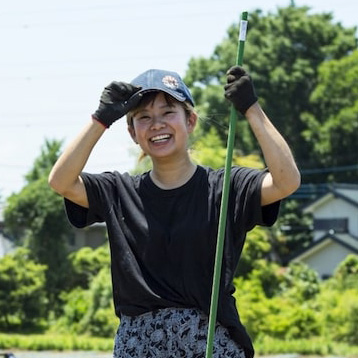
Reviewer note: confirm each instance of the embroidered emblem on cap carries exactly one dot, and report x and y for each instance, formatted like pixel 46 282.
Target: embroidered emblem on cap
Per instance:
pixel 170 82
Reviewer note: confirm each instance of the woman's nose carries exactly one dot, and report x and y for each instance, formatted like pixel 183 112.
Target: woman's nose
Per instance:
pixel 157 122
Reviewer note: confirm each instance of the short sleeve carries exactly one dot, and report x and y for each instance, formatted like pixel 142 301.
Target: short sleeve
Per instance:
pixel 99 189
pixel 246 188
pixel 76 214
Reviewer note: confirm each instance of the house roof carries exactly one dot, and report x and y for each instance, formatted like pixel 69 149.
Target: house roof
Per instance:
pixel 346 240
pixel 345 192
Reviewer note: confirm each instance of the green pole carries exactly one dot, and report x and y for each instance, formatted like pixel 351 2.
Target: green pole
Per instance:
pixel 224 202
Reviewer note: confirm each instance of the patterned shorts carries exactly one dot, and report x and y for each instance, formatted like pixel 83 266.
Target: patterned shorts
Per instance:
pixel 171 333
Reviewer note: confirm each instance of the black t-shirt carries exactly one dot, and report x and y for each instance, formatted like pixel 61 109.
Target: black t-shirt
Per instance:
pixel 163 242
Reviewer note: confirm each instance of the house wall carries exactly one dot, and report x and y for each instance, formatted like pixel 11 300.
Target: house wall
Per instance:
pixel 326 261
pixel 93 236
pixel 338 208
pixel 6 246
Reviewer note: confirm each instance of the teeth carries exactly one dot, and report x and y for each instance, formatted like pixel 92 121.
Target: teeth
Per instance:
pixel 159 138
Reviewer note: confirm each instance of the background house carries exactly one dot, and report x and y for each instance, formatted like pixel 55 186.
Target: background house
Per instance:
pixel 335 220
pixel 93 236
pixel 6 245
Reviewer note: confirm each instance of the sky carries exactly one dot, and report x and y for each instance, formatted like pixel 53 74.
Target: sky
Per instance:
pixel 58 55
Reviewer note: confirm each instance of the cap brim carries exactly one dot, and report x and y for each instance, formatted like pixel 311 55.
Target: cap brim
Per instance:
pixel 174 94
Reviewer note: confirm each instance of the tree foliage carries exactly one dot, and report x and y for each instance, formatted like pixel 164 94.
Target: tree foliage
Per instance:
pixel 345 275
pixel 305 71
pixel 89 310
pixel 257 246
pixel 283 53
pixel 34 217
pixel 298 305
pixel 86 263
pixel 22 290
pixel 332 126
pixel 300 282
pixel 293 231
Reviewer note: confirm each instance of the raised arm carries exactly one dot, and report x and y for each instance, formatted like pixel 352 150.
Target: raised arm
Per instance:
pixel 116 100
pixel 65 177
pixel 283 177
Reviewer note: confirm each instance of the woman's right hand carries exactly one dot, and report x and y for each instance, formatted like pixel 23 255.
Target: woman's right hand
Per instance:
pixel 116 100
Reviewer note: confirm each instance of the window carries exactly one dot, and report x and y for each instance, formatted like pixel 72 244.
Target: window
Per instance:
pixel 337 225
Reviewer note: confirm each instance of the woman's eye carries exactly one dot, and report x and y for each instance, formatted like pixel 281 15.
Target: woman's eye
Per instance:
pixel 144 118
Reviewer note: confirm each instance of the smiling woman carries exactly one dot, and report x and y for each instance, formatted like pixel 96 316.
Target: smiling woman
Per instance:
pixel 162 224
pixel 161 126
pixel 169 110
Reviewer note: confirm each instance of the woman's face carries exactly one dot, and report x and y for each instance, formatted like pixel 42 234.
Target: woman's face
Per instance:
pixel 162 129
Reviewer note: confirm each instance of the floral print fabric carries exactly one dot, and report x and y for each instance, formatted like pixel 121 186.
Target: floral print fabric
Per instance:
pixel 171 333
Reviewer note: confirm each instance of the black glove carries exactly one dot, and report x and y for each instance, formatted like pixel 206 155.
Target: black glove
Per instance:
pixel 115 102
pixel 240 89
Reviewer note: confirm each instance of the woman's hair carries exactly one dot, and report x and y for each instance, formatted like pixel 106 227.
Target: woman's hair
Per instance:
pixel 150 97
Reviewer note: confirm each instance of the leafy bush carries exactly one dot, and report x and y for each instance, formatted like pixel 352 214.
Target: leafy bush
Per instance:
pixel 75 306
pixel 275 303
pixel 100 319
pixel 252 305
pixel 339 314
pixel 269 275
pixel 89 311
pixel 22 290
pixel 345 276
pixel 86 264
pixel 257 246
pixel 300 282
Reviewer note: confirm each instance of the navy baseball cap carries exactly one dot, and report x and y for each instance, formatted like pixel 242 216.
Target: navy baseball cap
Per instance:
pixel 166 81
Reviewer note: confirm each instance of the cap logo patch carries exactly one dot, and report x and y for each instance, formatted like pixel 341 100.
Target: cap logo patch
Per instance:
pixel 170 82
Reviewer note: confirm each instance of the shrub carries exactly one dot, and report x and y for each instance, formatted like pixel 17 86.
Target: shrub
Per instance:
pixel 300 282
pixel 345 276
pixel 339 311
pixel 100 319
pixel 22 290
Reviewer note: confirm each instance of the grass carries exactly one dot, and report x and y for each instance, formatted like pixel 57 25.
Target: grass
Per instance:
pixel 314 346
pixel 264 346
pixel 38 342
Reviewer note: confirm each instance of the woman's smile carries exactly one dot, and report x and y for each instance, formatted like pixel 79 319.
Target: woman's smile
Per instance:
pixel 161 138
pixel 161 128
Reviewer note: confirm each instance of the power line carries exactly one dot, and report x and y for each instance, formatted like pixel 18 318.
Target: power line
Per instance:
pixel 80 61
pixel 133 4
pixel 329 170
pixel 80 22
pixel 90 73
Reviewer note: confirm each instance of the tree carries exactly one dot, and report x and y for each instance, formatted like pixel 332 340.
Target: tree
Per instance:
pixel 345 275
pixel 332 125
pixel 208 150
pixel 22 290
pixel 90 310
pixel 282 53
pixel 293 231
pixel 300 282
pixel 86 263
pixel 257 246
pixel 34 217
pixel 100 319
pixel 337 305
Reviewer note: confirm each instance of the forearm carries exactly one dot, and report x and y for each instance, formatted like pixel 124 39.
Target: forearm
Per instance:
pixel 64 175
pixel 276 152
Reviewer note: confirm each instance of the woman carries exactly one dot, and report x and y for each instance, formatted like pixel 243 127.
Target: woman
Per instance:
pixel 162 224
